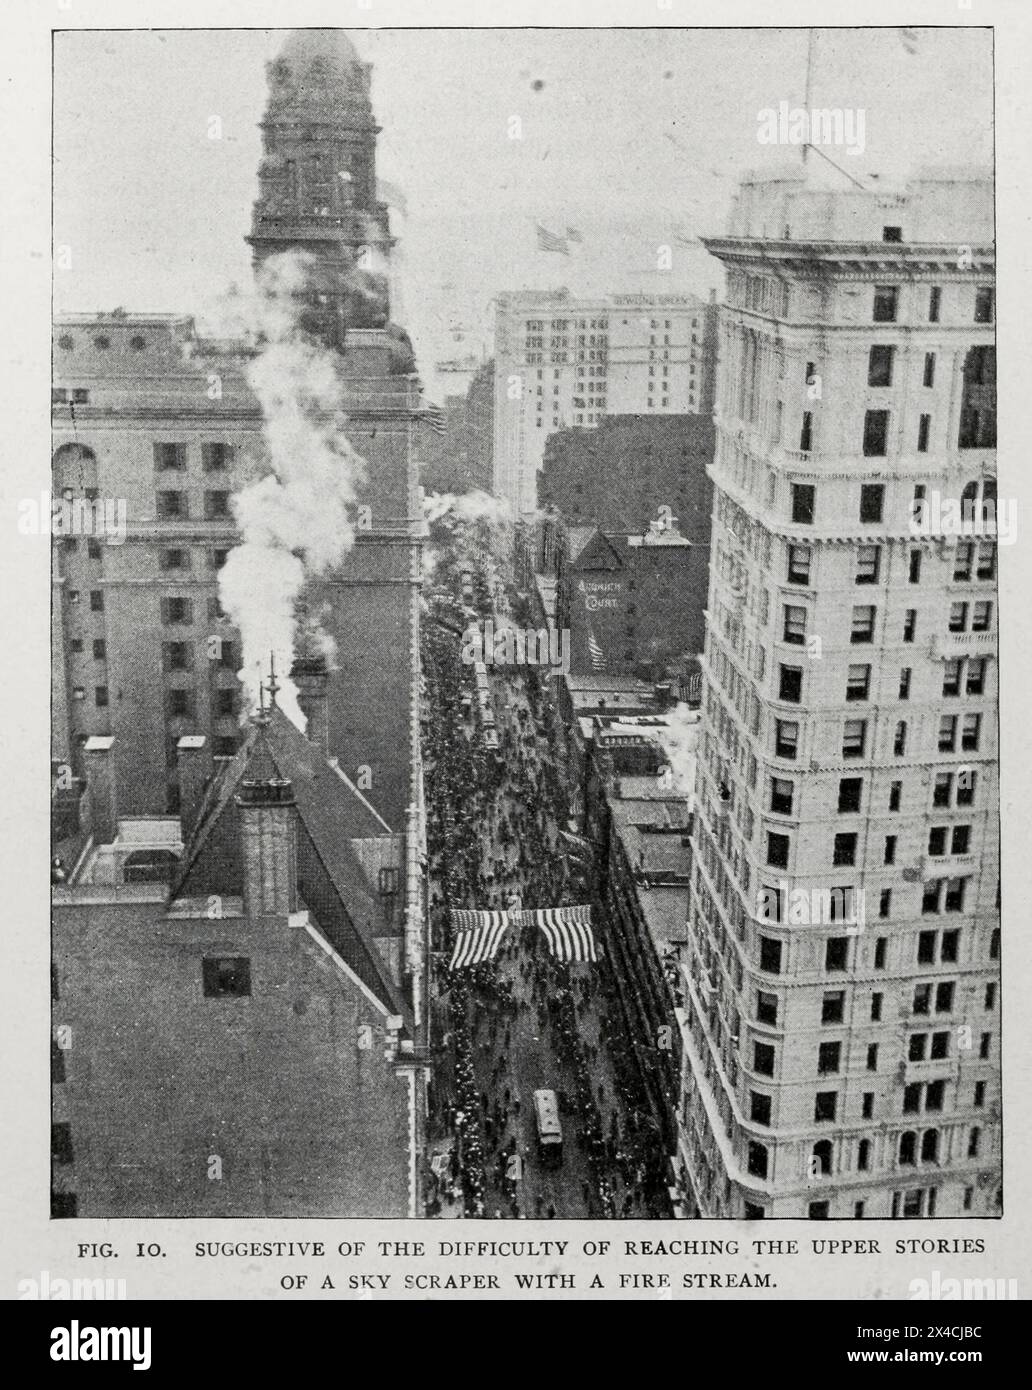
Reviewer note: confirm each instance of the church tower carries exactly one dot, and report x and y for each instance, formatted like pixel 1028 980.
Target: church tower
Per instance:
pixel 317 183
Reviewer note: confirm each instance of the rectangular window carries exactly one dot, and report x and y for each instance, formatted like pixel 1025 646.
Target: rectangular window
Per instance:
pixel 876 1008
pixel 174 560
pixel 794 624
pixel 61 1150
pixel 899 742
pixel 981 616
pixel 763 1059
pixel 872 495
pixel 790 683
pixel 781 793
pixel 909 625
pixel 825 1106
pixel 868 564
pixel 922 999
pixel 868 1105
pixel 176 611
pixel 904 683
pixel 876 435
pixel 799 564
pixel 947 733
pixel 880 951
pixel 215 457
pixel 924 426
pixel 777 850
pixel 786 738
pixel 986 560
pixel 172 506
pixel 226 976
pixel 958 617
pixel 862 626
pixel 962 561
pixel 872 1057
pixel 890 849
pixel 850 789
pixel 225 703
pixel 100 696
pixel 806 433
pixel 858 683
pixel 177 656
pixel 169 456
pixel 934 303
pixel 828 1057
pixel 970 733
pixel 879 366
pixel 961 839
pixel 216 506
pixel 929 369
pixel 984 304
pixel 845 849
pixel 944 997
pixel 885 903
pixel 770 955
pixel 96 600
pixel 180 704
pixel 833 1006
pixel 854 738
pixel 759 1108
pixel 836 952
pixel 803 500
pixel 951 676
pixel 885 301
pixel 766 1008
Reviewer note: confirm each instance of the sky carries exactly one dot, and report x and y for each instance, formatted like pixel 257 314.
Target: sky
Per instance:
pixel 623 134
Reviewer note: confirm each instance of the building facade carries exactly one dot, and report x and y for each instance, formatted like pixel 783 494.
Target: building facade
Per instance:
pixel 156 425
pixel 842 1030
pixel 562 362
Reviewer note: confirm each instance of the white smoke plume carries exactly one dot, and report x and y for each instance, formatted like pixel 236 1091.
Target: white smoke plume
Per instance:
pixel 297 521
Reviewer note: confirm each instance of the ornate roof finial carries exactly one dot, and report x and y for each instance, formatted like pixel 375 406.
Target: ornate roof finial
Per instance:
pixel 274 684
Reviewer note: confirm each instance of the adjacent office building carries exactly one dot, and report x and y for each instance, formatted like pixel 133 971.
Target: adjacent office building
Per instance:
pixel 842 1023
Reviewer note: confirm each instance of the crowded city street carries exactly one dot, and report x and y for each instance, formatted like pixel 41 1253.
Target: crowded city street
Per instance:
pixel 524 1021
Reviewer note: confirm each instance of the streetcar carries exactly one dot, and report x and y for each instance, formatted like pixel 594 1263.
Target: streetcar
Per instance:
pixel 549 1130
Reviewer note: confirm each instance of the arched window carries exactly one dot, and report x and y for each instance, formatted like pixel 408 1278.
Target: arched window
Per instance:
pixel 907 1148
pixel 930 1146
pixel 74 466
pixel 822 1157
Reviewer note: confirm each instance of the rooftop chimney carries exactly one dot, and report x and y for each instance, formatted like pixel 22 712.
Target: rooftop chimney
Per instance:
pixel 268 828
pixel 192 765
pixel 100 785
pixel 310 676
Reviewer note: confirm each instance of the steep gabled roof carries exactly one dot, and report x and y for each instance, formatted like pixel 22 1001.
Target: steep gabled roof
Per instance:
pixel 331 880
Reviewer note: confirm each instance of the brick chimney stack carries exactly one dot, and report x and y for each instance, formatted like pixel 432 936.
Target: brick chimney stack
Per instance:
pixel 311 677
pixel 268 827
pixel 100 785
pixel 192 765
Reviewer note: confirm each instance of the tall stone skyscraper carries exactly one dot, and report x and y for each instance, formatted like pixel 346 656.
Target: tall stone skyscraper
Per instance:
pixel 842 1040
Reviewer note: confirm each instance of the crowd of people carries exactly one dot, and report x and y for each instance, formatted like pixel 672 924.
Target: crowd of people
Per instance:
pixel 493 823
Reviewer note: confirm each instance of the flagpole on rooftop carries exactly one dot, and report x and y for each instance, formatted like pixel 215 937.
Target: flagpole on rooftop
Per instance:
pixel 808 93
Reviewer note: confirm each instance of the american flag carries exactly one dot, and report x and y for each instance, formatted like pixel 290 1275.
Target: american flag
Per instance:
pixel 478 936
pixel 435 418
pixel 598 656
pixel 551 241
pixel 568 932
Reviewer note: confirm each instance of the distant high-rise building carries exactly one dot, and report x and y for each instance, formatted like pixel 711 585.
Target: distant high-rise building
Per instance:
pixel 842 1035
pixel 561 361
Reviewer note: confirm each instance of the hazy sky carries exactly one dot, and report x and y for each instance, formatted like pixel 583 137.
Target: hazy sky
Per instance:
pixel 625 133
